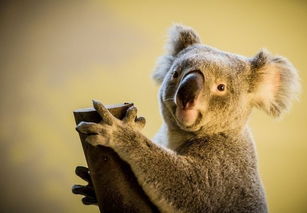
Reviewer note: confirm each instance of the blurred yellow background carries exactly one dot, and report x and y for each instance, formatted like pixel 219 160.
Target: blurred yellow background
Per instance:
pixel 58 55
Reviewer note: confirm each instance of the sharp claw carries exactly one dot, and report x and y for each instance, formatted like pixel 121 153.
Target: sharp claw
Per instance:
pixel 130 114
pixel 140 121
pixel 76 189
pixel 89 201
pixel 87 191
pixel 96 103
pixel 83 173
pixel 77 129
pixel 81 169
pixel 88 127
pixel 80 127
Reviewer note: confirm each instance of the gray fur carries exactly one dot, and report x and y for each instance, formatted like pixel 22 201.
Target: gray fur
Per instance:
pixel 209 166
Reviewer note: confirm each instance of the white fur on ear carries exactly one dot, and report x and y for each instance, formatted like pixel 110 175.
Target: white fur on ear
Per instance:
pixel 179 38
pixel 274 82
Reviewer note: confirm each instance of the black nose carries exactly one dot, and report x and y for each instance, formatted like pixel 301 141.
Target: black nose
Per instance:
pixel 189 89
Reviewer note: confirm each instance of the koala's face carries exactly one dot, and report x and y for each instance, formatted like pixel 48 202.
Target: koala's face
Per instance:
pixel 207 89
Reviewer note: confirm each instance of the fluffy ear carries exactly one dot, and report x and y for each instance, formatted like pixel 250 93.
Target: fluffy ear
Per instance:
pixel 180 37
pixel 274 83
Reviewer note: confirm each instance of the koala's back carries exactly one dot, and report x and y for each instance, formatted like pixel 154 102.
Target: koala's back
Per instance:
pixel 226 169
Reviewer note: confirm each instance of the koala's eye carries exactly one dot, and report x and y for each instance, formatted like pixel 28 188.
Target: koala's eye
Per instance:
pixel 221 87
pixel 175 74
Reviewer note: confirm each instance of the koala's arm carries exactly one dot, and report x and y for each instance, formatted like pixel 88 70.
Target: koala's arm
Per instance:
pixel 162 174
pixel 165 176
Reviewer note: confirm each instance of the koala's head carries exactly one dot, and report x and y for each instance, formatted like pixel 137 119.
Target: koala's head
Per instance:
pixel 203 88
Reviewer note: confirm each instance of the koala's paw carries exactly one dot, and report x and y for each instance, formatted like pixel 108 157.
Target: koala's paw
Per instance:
pixel 103 133
pixel 88 190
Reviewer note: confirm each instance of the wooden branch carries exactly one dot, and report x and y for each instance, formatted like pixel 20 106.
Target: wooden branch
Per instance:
pixel 116 187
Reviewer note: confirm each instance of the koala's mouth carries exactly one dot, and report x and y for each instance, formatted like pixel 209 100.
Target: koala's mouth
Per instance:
pixel 186 119
pixel 186 116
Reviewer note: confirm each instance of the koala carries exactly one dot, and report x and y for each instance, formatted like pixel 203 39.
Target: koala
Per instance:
pixel 203 158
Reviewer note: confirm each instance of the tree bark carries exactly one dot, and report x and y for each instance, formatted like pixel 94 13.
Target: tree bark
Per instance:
pixel 116 187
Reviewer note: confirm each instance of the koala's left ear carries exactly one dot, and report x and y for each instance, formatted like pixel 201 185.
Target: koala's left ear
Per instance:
pixel 179 38
pixel 273 82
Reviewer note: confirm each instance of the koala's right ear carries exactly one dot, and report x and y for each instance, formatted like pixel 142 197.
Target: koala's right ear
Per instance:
pixel 180 37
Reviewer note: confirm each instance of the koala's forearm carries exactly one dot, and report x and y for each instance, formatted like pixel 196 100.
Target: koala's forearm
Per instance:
pixel 166 177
